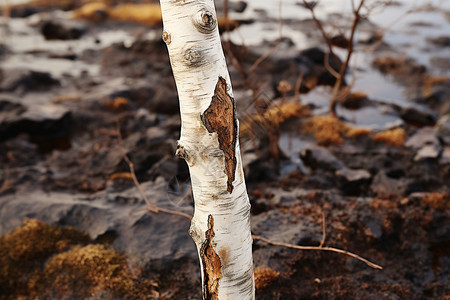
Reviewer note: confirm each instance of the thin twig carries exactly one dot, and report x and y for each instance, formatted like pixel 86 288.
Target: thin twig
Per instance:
pixel 148 204
pixel 277 43
pixel 325 37
pixel 298 85
pixel 324 232
pixel 318 248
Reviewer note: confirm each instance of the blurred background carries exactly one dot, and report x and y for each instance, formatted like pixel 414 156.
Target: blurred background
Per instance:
pixel 344 111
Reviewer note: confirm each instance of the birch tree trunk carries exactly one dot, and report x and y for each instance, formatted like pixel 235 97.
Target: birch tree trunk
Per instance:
pixel 209 144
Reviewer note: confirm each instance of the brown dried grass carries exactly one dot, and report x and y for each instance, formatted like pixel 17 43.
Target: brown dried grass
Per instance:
pixel 392 137
pixel 273 117
pixel 264 277
pixel 437 201
pixel 146 13
pixel 39 261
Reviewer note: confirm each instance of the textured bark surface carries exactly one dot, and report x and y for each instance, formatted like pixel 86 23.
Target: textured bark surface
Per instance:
pixel 212 267
pixel 220 117
pixel 209 143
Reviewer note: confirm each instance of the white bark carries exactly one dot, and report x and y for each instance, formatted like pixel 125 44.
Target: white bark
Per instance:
pixel 209 143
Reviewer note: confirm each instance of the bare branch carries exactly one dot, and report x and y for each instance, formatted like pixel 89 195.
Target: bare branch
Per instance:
pixel 149 205
pixel 318 248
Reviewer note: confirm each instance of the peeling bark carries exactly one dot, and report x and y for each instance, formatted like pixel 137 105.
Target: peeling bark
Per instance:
pixel 212 267
pixel 209 143
pixel 220 117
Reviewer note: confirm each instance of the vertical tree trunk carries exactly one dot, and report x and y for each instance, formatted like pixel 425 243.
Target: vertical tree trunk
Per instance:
pixel 209 143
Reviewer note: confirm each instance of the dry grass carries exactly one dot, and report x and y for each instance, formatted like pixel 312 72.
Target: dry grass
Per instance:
pixel 94 270
pixel 431 81
pixel 118 103
pixel 356 132
pixel 23 251
pixel 437 201
pixel 327 130
pixel 38 261
pixel 393 137
pixel 264 277
pixel 147 14
pixel 273 117
pixel 66 98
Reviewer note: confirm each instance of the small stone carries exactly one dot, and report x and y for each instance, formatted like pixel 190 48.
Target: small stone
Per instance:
pixel 62 29
pixel 320 157
pixel 353 181
pixel 443 128
pixel 26 80
pixel 424 136
pixel 383 185
pixel 445 156
pixel 422 116
pixel 428 152
pixel 351 175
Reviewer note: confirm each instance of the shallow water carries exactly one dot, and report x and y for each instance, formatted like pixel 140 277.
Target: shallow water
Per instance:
pixel 402 36
pixel 405 38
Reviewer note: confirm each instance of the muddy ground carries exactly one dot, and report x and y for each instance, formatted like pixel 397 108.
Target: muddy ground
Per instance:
pixel 379 177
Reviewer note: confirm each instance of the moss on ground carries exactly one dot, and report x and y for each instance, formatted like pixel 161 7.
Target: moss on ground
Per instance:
pixel 39 261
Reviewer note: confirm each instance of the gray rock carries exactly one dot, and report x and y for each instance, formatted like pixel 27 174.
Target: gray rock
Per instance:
pixel 383 185
pixel 441 41
pixel 351 175
pixel 420 116
pixel 280 227
pixel 156 237
pixel 353 181
pixel 424 136
pixel 428 152
pixel 39 121
pixel 320 157
pixel 374 229
pixel 443 128
pixel 445 156
pixel 63 29
pixel 26 80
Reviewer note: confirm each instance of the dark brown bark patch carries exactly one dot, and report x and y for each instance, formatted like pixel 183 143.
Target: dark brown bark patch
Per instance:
pixel 212 267
pixel 220 117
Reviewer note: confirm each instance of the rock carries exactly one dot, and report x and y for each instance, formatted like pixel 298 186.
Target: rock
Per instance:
pixel 26 80
pixel 424 136
pixel 61 29
pixel 165 101
pixel 41 122
pixel 315 58
pixel 157 237
pixel 353 181
pixel 282 227
pixel 426 143
pixel 443 128
pixel 441 41
pixel 385 186
pixel 440 62
pixel 421 117
pixel 320 157
pixel 374 229
pixel 428 152
pixel 236 6
pixel 445 156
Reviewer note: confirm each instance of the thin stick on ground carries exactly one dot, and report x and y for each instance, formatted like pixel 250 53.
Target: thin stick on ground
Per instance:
pixel 324 232
pixel 277 43
pixel 155 209
pixel 149 206
pixel 319 248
